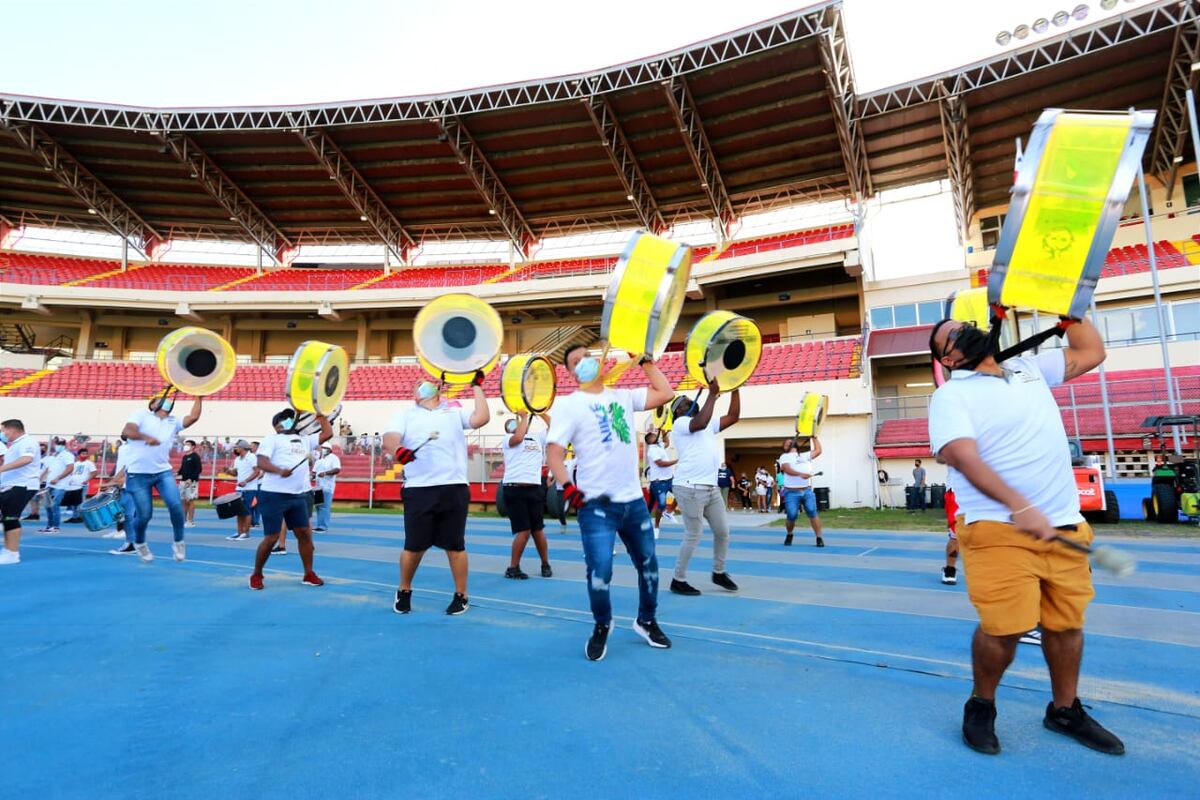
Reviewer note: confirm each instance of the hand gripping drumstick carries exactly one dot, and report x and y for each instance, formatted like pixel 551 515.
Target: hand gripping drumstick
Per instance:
pixel 432 436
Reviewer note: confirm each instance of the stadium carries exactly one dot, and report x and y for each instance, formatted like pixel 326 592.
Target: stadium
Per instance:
pixel 340 222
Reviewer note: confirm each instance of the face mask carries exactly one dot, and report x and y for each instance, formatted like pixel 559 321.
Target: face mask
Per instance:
pixel 58 448
pixel 975 345
pixel 3 437
pixel 82 457
pixel 165 406
pixel 587 369
pixel 287 423
pixel 510 426
pixel 426 391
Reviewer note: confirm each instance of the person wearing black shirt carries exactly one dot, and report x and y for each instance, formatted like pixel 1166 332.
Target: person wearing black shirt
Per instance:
pixel 724 482
pixel 189 482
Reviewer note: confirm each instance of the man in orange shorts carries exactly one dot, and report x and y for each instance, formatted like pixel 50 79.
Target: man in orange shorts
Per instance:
pixel 997 426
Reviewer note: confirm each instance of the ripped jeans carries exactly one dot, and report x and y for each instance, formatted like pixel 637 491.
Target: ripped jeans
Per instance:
pixel 600 521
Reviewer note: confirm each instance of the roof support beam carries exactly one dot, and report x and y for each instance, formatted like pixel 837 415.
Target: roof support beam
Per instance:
pixel 637 191
pixel 839 79
pixel 241 209
pixel 683 107
pixel 500 202
pixel 75 178
pixel 371 209
pixel 1171 133
pixel 958 161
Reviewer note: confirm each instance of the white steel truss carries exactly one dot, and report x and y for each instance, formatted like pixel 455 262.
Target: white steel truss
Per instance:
pixel 360 194
pixel 839 78
pixel 637 191
pixel 957 139
pixel 683 107
pixel 241 209
pixel 99 200
pixel 1172 130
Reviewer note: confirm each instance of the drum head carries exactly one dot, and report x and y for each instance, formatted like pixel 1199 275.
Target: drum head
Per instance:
pixel 227 498
pixel 812 414
pixel 317 377
pixel 96 502
pixel 664 420
pixel 724 346
pixel 457 334
pixel 645 295
pixel 196 360
pixel 528 384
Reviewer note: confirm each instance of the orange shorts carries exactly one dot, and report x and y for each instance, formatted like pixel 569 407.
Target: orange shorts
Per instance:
pixel 1016 582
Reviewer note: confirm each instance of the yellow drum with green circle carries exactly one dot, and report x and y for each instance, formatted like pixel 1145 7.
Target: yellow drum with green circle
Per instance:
pixel 663 416
pixel 725 346
pixel 457 335
pixel 196 361
pixel 812 413
pixel 317 377
pixel 528 384
pixel 645 295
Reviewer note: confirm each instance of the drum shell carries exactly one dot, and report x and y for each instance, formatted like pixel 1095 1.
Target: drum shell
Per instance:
pixel 501 507
pixel 813 408
pixel 173 346
pixel 512 382
pixel 645 295
pixel 101 512
pixel 707 330
pixel 487 323
pixel 317 377
pixel 231 505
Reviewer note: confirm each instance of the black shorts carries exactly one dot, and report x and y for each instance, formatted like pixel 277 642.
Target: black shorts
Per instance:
pixel 12 505
pixel 526 506
pixel 436 516
pixel 278 508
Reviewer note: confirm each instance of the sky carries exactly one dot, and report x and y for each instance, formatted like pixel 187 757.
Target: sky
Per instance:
pixel 275 52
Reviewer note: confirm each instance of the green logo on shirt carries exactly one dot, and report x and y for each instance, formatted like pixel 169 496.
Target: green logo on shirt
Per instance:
pixel 619 423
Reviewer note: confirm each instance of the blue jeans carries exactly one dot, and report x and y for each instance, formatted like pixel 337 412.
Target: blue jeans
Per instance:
pixel 794 498
pixel 325 511
pixel 126 501
pixel 600 522
pixel 139 486
pixel 658 494
pixel 249 496
pixel 54 507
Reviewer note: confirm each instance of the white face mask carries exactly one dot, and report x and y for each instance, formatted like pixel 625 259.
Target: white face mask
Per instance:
pixel 587 369
pixel 426 391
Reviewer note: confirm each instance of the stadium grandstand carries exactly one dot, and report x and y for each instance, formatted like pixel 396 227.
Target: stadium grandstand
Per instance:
pixel 754 147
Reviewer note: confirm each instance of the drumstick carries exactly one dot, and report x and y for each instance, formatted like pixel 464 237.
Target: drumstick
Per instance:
pixel 432 436
pixel 1118 562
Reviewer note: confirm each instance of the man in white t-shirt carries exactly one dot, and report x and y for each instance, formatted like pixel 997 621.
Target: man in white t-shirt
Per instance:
pixel 797 466
pixel 696 485
pixel 150 433
pixel 283 459
pixel 325 472
pixel 998 427
pixel 661 469
pixel 436 496
pixel 117 482
pixel 599 423
pixel 82 470
pixel 247 475
pixel 56 472
pixel 20 477
pixel 524 453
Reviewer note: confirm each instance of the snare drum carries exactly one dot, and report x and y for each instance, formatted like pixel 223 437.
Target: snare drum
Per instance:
pixel 231 505
pixel 101 512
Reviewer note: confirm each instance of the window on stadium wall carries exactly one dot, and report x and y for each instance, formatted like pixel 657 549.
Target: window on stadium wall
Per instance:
pixel 1191 190
pixel 903 315
pixel 1140 324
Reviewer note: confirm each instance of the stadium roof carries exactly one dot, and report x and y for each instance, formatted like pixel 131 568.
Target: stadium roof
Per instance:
pixel 757 118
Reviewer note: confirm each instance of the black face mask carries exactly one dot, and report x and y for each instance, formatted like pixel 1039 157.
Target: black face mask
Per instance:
pixel 975 345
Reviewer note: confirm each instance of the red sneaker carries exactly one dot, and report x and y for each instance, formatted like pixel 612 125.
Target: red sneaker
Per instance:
pixel 256 582
pixel 312 579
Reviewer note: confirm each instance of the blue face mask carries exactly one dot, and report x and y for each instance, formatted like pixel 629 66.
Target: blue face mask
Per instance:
pixel 426 391
pixel 510 427
pixel 58 448
pixel 287 423
pixel 3 437
pixel 587 369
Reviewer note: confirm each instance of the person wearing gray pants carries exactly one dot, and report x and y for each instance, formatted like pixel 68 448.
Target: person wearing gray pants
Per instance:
pixel 696 484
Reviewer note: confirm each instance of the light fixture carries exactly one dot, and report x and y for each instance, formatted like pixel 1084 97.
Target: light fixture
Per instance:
pixel 1080 11
pixel 91 211
pixel 332 177
pixel 629 197
pixel 233 219
pixel 1041 25
pixel 362 217
pixel 1108 5
pixel 492 211
pixel 1060 18
pixel 1177 159
pixel 920 385
pixel 1021 31
pixel 515 320
pixel 704 184
pixel 1004 37
pixel 784 297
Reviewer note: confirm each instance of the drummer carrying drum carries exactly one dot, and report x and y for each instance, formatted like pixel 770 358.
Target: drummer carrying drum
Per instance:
pixel 245 465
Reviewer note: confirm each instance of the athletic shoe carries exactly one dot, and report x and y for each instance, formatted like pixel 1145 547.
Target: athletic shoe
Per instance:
pixel 233 538
pixel 787 540
pixel 126 549
pixel 1032 637
pixel 597 644
pixel 143 551
pixel 979 726
pixel 189 524
pixel 279 551
pixel 403 603
pixel 47 530
pixel 1076 723
pixel 179 550
pixel 459 604
pixel 75 520
pixel 9 557
pixel 34 517
pixel 256 582
pixel 684 588
pixel 546 571
pixel 318 530
pixel 820 542
pixel 723 580
pixel 562 529
pixel 668 516
pixel 949 576
pixel 652 633
pixel 311 579
pixel 656 532
pixel 515 574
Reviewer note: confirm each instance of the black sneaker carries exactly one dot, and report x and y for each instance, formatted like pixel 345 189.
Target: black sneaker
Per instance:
pixel 684 588
pixel 1076 723
pixel 820 542
pixel 597 645
pixel 403 603
pixel 979 726
pixel 29 517
pixel 652 633
pixel 723 580
pixel 787 540
pixel 459 604
pixel 949 576
pixel 75 520
pixel 546 571
pixel 515 573
pixel 126 549
pixel 279 551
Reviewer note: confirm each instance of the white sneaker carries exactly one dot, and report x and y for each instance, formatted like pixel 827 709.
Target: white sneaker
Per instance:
pixel 668 516
pixel 1032 637
pixel 656 532
pixel 189 524
pixel 143 551
pixel 113 534
pixel 9 556
pixel 178 549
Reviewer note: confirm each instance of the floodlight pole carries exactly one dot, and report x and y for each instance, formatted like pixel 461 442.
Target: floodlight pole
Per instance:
pixel 1172 408
pixel 124 255
pixel 1111 471
pixel 1191 108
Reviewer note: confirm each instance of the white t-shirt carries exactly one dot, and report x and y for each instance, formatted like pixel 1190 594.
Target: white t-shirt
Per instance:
pixel 286 450
pixel 244 466
pixel 442 462
pixel 147 460
pixel 1019 432
pixel 601 429
pixel 81 473
pixel 569 463
pixel 54 465
pixel 123 454
pixel 801 462
pixel 325 464
pixel 698 461
pixel 28 476
pixel 523 463
pixel 656 452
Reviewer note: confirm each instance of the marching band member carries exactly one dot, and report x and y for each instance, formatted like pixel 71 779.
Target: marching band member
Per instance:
pixel 524 493
pixel 20 476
